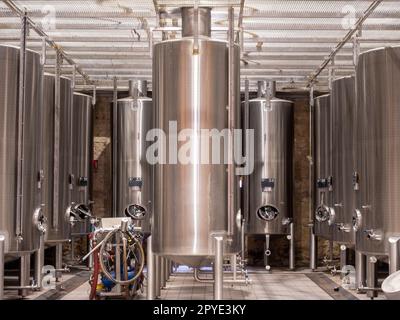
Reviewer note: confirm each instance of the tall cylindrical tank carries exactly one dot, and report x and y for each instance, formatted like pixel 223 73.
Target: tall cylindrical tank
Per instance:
pixel 377 217
pixel 56 210
pixel 21 231
pixel 270 184
pixel 342 122
pixel 323 168
pixel 134 172
pixel 81 152
pixel 190 95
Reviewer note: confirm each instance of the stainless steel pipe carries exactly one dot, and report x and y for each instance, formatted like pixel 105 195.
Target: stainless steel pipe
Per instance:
pixel 218 268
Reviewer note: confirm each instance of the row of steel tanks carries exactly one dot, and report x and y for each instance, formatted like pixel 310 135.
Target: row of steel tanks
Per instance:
pixel 43 149
pixel 355 152
pixel 268 190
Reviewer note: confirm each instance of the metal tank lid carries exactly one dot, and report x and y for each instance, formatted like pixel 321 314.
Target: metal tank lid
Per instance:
pixel 82 94
pixel 379 49
pixel 351 77
pixel 9 46
pixel 326 95
pixel 47 74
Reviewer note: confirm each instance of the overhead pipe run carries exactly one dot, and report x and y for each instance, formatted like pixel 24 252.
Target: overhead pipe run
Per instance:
pixel 43 35
pixel 347 37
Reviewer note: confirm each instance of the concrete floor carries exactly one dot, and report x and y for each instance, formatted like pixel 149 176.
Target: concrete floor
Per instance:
pixel 278 284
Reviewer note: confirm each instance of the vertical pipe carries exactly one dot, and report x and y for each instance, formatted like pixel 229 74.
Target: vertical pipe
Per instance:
pixel 59 255
pixel 2 261
pixel 39 262
pixel 21 113
pixel 311 156
pixel 372 280
pixel 91 259
pixel 114 148
pixel 231 117
pixel 291 249
pixel 360 270
pixel 313 238
pixel 150 270
pixel 56 136
pixel 117 261
pixel 394 254
pixel 24 275
pixel 246 177
pixel 218 268
pixel 313 250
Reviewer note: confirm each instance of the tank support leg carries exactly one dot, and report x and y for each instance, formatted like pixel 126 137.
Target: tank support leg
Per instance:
pixel 394 254
pixel 162 273
pixel 72 249
pixel 234 266
pixel 90 260
pixel 39 263
pixel 343 257
pixel 59 256
pixel 24 275
pixel 150 270
pixel 2 261
pixel 291 247
pixel 243 241
pixel 166 270
pixel 372 280
pixel 267 252
pixel 313 250
pixel 360 270
pixel 158 277
pixel 218 268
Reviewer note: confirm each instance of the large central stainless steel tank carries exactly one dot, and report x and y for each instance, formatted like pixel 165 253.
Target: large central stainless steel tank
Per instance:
pixel 270 184
pixel 21 231
pixel 323 168
pixel 134 172
pixel 81 153
pixel 377 156
pixel 342 121
pixel 56 211
pixel 191 199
